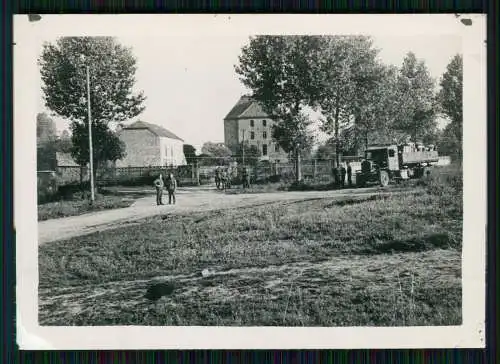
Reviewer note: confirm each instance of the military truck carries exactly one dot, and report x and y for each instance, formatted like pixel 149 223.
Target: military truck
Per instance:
pixel 386 163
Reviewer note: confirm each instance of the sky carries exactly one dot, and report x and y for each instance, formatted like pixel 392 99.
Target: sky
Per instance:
pixel 190 83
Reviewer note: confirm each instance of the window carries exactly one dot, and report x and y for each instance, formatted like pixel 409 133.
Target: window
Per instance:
pixel 252 135
pixel 264 135
pixel 264 123
pixel 251 123
pixel 264 149
pixel 391 153
pixel 276 147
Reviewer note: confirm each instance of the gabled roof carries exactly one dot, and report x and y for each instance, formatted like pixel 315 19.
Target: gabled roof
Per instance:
pixel 246 107
pixel 155 129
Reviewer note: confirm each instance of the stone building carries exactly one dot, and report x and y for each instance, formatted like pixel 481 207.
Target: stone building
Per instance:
pixel 148 144
pixel 247 122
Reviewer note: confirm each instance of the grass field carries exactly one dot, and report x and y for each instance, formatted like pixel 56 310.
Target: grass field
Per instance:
pixel 385 261
pixel 65 208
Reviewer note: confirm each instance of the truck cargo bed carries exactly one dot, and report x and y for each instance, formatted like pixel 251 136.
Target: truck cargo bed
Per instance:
pixel 419 157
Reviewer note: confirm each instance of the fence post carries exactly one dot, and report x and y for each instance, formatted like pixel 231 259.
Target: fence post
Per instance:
pixel 314 169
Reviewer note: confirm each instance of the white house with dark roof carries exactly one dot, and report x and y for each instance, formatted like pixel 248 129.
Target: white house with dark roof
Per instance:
pixel 148 144
pixel 249 123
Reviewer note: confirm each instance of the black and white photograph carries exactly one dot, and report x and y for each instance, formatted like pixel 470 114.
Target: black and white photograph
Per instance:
pixel 247 181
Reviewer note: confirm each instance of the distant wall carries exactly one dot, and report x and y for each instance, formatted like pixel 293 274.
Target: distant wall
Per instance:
pixel 142 148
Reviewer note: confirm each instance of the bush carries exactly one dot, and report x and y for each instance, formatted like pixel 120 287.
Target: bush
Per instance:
pixel 274 179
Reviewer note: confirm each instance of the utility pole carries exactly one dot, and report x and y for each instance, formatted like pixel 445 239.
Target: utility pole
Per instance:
pixel 91 159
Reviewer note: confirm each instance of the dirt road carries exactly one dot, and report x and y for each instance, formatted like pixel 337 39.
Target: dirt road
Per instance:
pixel 188 200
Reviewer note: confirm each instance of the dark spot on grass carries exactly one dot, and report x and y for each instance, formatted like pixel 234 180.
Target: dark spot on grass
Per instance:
pixel 416 244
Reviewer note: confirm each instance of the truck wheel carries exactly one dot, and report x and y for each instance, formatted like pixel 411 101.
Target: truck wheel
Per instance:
pixel 384 178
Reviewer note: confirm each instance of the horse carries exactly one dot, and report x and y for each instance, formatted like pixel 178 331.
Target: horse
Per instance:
pixel 225 180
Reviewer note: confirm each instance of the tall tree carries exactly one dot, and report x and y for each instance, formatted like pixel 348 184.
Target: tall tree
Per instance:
pixel 279 70
pixel 346 65
pixel 450 98
pixel 417 99
pixel 375 106
pixel 112 77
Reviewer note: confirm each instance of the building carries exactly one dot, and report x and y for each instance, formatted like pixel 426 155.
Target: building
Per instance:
pixel 247 122
pixel 148 144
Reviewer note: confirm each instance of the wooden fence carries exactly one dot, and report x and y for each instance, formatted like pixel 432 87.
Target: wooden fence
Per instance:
pixel 321 171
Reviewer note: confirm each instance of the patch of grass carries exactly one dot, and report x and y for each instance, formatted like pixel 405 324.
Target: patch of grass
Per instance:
pixel 394 290
pixel 65 208
pixel 385 260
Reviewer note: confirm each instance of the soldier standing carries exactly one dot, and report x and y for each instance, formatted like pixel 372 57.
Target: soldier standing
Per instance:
pixel 159 189
pixel 342 175
pixel 171 187
pixel 244 177
pixel 349 174
pixel 335 172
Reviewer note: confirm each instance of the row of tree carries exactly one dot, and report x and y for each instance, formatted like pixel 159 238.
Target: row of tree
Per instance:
pixel 357 95
pixel 218 154
pixel 339 76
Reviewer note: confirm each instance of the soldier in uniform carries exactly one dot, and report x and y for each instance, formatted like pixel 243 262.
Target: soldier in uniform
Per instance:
pixel 342 175
pixel 159 189
pixel 349 174
pixel 171 187
pixel 217 177
pixel 245 177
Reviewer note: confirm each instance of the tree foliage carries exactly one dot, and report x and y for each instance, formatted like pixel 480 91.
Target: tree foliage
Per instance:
pixel 347 72
pixel 326 151
pixel 47 142
pixel 106 144
pixel 360 98
pixel 218 150
pixel 417 99
pixel 375 107
pixel 189 153
pixel 64 142
pixel 45 128
pixel 112 67
pixel 250 153
pixel 280 72
pixel 450 99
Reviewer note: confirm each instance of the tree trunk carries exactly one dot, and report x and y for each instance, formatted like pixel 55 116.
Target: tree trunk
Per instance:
pixel 337 141
pixel 298 174
pixel 81 178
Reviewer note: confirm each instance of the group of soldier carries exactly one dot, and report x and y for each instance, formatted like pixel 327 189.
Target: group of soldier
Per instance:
pixel 339 175
pixel 170 184
pixel 223 178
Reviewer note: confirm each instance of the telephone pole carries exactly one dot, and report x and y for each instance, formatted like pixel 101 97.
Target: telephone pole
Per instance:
pixel 91 159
